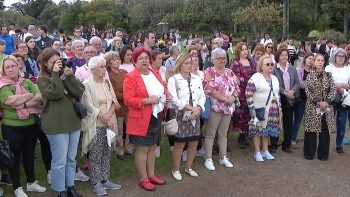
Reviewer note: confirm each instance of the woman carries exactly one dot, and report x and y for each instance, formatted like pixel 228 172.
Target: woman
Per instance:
pixel 104 43
pixel 157 64
pixel 67 53
pixel 137 43
pixel 145 97
pixel 53 82
pixel 163 40
pixel 341 75
pixel 188 41
pixel 108 37
pixel 117 43
pixel 139 35
pixel 207 62
pixel 302 50
pixel 195 52
pixel 263 91
pixel 320 91
pixel 221 86
pixel 78 58
pixel 244 69
pixel 195 68
pixel 303 70
pixel 56 44
pixel 117 75
pixel 30 64
pixel 188 97
pixel 258 52
pixel 101 104
pixel 33 49
pixel 126 59
pixel 323 50
pixel 20 60
pixel 289 90
pixel 19 97
pixel 269 51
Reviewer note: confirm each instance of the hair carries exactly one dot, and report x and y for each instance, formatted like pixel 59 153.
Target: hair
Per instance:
pixel 20 42
pixel 109 56
pixel 13 24
pixel 216 52
pixel 166 34
pixel 172 50
pixel 2 42
pixel 28 38
pixel 3 27
pixel 115 40
pixel 31 27
pixel 278 54
pixel 45 56
pixel 322 49
pixel 238 50
pixel 77 41
pixel 18 31
pixel 219 40
pixel 197 40
pixel 304 59
pixel 95 61
pixel 191 48
pixel 123 52
pixel 268 33
pixel 302 46
pixel 259 47
pixel 67 41
pixel 93 39
pixel 53 41
pixel 180 60
pixel 282 45
pixel 335 53
pixel 138 32
pixel 146 35
pixel 267 44
pixel 9 57
pixel 18 55
pixel 261 62
pixel 155 53
pixel 85 30
pixel 138 52
pixel 43 27
pixel 100 33
pixel 76 28
pixel 26 28
pixel 318 54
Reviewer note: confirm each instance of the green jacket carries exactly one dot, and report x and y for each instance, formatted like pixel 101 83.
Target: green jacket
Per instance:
pixel 58 115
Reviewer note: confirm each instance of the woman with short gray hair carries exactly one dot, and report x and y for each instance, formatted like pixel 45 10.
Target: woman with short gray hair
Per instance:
pixel 78 59
pixel 341 75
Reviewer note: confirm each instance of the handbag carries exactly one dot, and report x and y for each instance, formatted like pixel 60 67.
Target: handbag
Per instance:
pixel 260 112
pixel 206 114
pixel 337 97
pixel 6 155
pixel 79 108
pixel 288 102
pixel 171 127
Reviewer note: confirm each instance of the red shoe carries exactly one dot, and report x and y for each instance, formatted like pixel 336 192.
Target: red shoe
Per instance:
pixel 86 164
pixel 147 185
pixel 156 180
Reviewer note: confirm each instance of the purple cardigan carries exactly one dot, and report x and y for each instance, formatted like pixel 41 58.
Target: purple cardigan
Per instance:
pixel 76 62
pixel 300 71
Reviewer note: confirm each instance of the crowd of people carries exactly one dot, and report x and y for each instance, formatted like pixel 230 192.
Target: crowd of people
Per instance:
pixel 131 84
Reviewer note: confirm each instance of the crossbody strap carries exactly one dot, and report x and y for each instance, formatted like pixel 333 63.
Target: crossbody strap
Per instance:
pixel 268 98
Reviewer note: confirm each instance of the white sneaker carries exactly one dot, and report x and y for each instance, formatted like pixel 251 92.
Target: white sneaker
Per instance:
pixel 49 177
pixel 80 176
pixel 157 151
pixel 184 156
pixel 177 175
pixel 267 155
pixel 200 152
pixel 35 187
pixel 209 164
pixel 19 192
pixel 226 162
pixel 258 157
pixel 191 172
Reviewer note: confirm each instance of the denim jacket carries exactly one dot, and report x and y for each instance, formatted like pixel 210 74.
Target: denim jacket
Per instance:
pixel 33 66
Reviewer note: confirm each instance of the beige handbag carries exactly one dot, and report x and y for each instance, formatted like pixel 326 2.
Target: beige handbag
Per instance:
pixel 171 127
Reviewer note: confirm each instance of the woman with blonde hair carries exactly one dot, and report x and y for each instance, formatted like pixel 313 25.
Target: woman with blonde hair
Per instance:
pixel 117 44
pixel 258 52
pixel 270 51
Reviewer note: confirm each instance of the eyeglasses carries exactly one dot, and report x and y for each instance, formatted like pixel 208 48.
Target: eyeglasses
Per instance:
pixel 188 63
pixel 340 56
pixel 143 59
pixel 193 54
pixel 221 59
pixel 90 53
pixel 22 47
pixel 56 45
pixel 201 43
pixel 270 47
pixel 269 64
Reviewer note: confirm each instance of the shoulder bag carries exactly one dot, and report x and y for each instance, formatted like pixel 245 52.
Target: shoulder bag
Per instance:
pixel 260 112
pixel 338 96
pixel 171 127
pixel 79 108
pixel 289 103
pixel 6 155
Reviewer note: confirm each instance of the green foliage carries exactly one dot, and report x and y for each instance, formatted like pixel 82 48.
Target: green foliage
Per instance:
pixel 10 16
pixel 70 19
pixel 334 35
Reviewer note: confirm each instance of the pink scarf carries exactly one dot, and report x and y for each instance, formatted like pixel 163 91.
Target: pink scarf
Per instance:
pixel 23 114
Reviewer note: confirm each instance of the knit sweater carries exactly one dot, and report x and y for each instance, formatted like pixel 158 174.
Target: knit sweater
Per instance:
pixel 58 115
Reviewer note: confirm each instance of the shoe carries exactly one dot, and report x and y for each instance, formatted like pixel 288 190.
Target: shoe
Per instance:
pixel 157 151
pixel 147 185
pixel 247 143
pixel 71 192
pixel 5 180
pixel 215 150
pixel 122 157
pixel 200 152
pixel 258 157
pixel 287 150
pixel 19 192
pixel 156 180
pixel 48 177
pixel 35 187
pixel 35 156
pixel 345 141
pixel 226 162
pixel 191 172
pixel 61 194
pixel 209 164
pixel 242 141
pixel 340 150
pixel 86 164
pixel 267 155
pixel 177 175
pixel 294 145
pixel 80 176
pixel 1 192
pixel 110 185
pixel 272 150
pixel 99 190
pixel 184 156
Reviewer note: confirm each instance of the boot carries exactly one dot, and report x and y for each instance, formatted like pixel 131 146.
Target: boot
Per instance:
pixel 71 192
pixel 61 194
pixel 242 141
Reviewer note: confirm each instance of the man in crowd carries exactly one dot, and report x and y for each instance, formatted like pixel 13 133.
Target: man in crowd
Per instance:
pixel 44 40
pixel 86 34
pixel 226 41
pixel 170 62
pixel 16 35
pixel 177 36
pixel 12 29
pixel 165 50
pixel 292 51
pixel 10 43
pixel 77 34
pixel 149 40
pixel 266 40
pixel 97 44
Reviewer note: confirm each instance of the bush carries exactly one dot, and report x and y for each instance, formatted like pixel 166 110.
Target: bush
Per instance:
pixel 202 27
pixel 337 36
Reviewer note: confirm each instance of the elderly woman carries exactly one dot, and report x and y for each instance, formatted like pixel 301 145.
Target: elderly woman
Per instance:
pixel 59 87
pixel 117 44
pixel 221 86
pixel 145 97
pixel 125 58
pixel 101 104
pixel 33 49
pixel 117 75
pixel 244 69
pixel 157 63
pixel 19 98
pixel 258 52
pixel 188 97
pixel 30 64
pixel 20 60
pixel 289 91
pixel 341 75
pixel 78 58
pixel 319 118
pixel 263 92
pixel 303 70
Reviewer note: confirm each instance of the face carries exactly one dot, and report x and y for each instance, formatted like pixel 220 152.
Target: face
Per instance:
pixel 291 42
pixel 78 48
pixel 319 60
pixel 31 43
pixel 220 61
pixel 151 39
pixel 49 64
pixel 100 70
pixel 186 66
pixel 2 48
pixel 20 62
pixel 68 46
pixel 22 49
pixel 120 34
pixel 309 60
pixel 194 53
pixel 56 45
pixel 142 61
pixel 40 31
pixel 128 56
pixel 157 62
pixel 190 36
pixel 138 42
pixel 97 45
pixel 115 62
pixel 118 44
pixel 200 44
pixel 339 58
pixel 258 55
pixel 267 36
pixel 4 31
pixel 244 52
pixel 24 30
pixel 102 35
pixel 217 35
pixel 195 63
pixel 139 35
pixel 214 46
pixel 165 36
pixel 269 48
pixel 11 69
pixel 267 65
pixel 89 52
pixel 283 57
pixel 77 33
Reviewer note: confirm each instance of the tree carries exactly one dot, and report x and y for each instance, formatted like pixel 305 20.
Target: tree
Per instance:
pixel 10 16
pixel 70 18
pixel 32 8
pixel 53 14
pixel 260 15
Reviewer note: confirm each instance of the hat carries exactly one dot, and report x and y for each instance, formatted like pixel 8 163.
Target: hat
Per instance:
pixel 60 30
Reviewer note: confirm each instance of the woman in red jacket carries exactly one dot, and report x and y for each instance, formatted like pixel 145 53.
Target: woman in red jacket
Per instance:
pixel 145 96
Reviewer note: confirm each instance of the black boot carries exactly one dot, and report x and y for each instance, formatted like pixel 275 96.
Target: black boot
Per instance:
pixel 61 194
pixel 242 141
pixel 71 192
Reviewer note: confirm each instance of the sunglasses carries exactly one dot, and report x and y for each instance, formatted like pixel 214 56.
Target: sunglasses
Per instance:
pixel 201 43
pixel 138 41
pixel 269 64
pixel 270 47
pixel 193 54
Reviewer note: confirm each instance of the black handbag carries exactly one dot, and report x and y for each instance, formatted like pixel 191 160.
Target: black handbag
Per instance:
pixel 260 112
pixel 337 97
pixel 6 155
pixel 79 108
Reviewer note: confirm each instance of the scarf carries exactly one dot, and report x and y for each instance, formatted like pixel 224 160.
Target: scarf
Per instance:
pixel 24 113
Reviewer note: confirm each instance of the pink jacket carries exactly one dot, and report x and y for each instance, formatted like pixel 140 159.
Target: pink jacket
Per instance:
pixel 83 73
pixel 300 71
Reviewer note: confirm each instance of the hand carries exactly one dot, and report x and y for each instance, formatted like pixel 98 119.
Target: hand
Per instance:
pixel 340 90
pixel 196 112
pixel 230 100
pixel 339 85
pixel 168 97
pixel 68 71
pixel 18 107
pixel 323 105
pixel 193 117
pixel 110 125
pixel 117 106
pixel 105 117
pixel 57 66
pixel 253 114
pixel 153 99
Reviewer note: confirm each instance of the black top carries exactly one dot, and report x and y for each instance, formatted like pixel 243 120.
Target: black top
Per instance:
pixel 28 68
pixel 302 91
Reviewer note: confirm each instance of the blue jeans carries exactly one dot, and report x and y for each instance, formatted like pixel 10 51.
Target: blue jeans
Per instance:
pixel 298 117
pixel 340 122
pixel 64 149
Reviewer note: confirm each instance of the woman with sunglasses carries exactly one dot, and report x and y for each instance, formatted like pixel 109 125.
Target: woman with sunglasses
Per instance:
pixel 269 51
pixel 244 69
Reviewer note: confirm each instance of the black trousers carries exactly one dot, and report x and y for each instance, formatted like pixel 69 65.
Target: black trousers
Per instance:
pixel 45 150
pixel 310 143
pixel 22 141
pixel 287 129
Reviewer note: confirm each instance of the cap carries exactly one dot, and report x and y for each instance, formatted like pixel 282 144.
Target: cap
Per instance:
pixel 60 30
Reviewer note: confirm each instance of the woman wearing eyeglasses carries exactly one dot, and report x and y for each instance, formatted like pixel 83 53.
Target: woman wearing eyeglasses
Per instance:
pixel 244 69
pixel 258 52
pixel 269 51
pixel 30 67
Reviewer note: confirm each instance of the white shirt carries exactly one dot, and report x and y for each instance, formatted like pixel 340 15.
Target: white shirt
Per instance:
pixel 26 35
pixel 265 41
pixel 154 87
pixel 340 75
pixel 162 71
pixel 11 32
pixel 332 50
pixel 127 67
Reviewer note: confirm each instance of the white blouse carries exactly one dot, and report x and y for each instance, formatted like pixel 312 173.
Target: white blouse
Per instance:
pixel 154 87
pixel 340 75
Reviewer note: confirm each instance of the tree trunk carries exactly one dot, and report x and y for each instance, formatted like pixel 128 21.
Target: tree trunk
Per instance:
pixel 346 18
pixel 285 13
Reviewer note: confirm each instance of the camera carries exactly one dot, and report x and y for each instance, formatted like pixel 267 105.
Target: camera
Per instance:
pixel 66 63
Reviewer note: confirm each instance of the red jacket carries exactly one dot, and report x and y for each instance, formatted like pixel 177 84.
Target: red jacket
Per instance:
pixel 134 90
